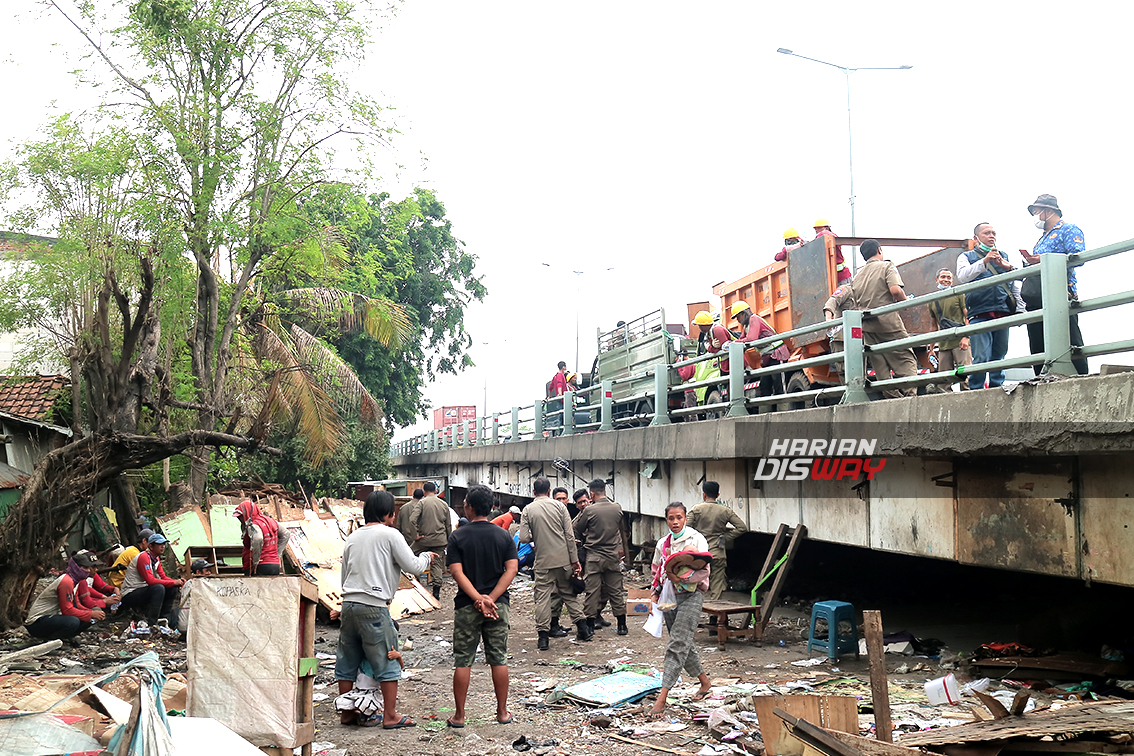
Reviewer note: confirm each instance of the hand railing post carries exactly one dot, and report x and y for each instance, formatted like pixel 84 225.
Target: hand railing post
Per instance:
pixel 661 394
pixel 483 435
pixel 736 406
pixel 495 427
pixel 568 413
pixel 607 410
pixel 1056 315
pixel 854 369
pixel 515 424
pixel 539 409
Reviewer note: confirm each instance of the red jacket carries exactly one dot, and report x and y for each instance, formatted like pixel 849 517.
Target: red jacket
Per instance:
pixel 842 270
pixel 558 385
pixel 68 605
pixel 149 574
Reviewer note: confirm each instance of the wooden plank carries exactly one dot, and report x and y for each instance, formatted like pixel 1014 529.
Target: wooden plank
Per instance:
pixel 879 691
pixel 833 712
pixel 994 706
pixel 871 747
pixel 1019 702
pixel 818 737
pixel 651 746
pixel 770 598
pixel 31 651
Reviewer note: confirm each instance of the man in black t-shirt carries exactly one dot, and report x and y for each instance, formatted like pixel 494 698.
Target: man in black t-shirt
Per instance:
pixel 482 559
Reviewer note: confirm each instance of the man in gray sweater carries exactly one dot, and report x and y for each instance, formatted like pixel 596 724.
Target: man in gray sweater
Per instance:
pixel 374 558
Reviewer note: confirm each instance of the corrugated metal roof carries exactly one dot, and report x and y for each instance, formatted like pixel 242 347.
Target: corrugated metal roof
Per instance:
pixel 10 477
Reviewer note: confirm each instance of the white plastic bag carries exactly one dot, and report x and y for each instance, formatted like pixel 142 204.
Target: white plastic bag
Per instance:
pixel 668 599
pixel 655 622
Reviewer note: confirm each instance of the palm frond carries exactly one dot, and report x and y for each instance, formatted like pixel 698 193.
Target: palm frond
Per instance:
pixel 298 388
pixel 334 373
pixel 381 319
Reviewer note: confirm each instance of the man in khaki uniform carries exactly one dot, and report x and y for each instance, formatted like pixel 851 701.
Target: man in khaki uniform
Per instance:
pixel 874 285
pixel 407 517
pixel 433 526
pixel 600 529
pixel 547 524
pixel 712 520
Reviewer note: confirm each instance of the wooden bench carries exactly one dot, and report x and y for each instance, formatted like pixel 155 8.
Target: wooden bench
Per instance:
pixel 722 609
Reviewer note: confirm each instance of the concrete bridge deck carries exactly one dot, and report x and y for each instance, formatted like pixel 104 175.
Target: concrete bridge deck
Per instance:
pixel 1040 479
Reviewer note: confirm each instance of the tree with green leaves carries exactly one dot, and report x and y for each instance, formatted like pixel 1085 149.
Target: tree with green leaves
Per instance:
pixel 244 102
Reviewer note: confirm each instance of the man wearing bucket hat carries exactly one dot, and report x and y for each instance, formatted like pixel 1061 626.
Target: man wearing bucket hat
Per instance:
pixel 1060 238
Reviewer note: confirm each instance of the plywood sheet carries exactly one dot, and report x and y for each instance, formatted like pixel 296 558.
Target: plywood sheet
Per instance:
pixel 225 527
pixel 1062 724
pixel 830 712
pixel 243 659
pixel 186 527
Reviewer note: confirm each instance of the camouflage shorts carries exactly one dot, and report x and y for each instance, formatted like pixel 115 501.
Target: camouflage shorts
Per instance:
pixel 470 627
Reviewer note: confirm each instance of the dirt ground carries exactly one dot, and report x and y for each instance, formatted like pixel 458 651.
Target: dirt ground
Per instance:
pixel 427 695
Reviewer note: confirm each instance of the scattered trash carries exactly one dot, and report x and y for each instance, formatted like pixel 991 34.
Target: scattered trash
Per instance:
pixel 809 662
pixel 614 689
pixel 943 690
pixel 523 744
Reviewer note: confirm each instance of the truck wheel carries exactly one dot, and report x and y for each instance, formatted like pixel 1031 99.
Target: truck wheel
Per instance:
pixel 645 407
pixel 798 382
pixel 713 397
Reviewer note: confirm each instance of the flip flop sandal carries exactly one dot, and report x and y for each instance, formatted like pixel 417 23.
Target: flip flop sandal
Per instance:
pixel 454 725
pixel 505 721
pixel 404 722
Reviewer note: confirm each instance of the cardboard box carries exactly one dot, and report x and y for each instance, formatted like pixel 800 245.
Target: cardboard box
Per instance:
pixel 639 601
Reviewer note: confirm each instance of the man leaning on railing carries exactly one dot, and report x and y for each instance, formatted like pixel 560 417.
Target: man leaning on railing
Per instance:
pixel 876 284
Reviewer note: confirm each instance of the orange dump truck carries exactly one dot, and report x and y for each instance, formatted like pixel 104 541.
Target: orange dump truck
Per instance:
pixel 791 294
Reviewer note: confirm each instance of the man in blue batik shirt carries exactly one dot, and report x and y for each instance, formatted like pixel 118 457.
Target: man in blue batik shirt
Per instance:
pixel 1058 238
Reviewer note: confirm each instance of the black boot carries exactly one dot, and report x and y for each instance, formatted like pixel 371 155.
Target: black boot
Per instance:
pixel 591 624
pixel 585 632
pixel 622 629
pixel 556 631
pixel 436 591
pixel 600 622
pixel 542 645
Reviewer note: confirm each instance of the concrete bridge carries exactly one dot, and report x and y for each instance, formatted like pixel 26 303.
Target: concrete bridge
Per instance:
pixel 1039 480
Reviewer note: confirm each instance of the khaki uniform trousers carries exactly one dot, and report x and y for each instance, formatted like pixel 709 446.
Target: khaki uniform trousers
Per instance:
pixel 604 583
pixel 718 577
pixel 902 362
pixel 437 566
pixel 554 583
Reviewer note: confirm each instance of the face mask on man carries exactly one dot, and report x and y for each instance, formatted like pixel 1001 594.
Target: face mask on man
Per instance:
pixel 942 286
pixel 984 247
pixel 1039 221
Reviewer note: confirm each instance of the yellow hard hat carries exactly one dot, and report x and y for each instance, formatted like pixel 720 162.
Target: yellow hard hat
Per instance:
pixel 703 318
pixel 791 233
pixel 738 307
pixel 820 222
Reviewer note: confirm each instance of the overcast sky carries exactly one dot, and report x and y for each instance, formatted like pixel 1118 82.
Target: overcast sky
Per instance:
pixel 670 142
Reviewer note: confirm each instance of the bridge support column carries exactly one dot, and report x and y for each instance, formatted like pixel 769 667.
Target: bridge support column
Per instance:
pixel 854 369
pixel 736 367
pixel 607 410
pixel 661 394
pixel 1056 315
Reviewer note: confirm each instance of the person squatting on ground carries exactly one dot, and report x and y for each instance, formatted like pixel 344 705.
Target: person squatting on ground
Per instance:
pixel 547 525
pixel 482 559
pixel 877 284
pixel 600 529
pixel 374 557
pixel 720 526
pixel 117 572
pixel 431 529
pixel 63 609
pixel 948 313
pixel 263 539
pixel 681 651
pixel 146 587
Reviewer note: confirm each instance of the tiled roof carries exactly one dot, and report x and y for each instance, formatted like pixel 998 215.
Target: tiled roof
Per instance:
pixel 32 396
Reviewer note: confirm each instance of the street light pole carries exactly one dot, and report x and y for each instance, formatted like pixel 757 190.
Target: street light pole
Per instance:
pixel 850 136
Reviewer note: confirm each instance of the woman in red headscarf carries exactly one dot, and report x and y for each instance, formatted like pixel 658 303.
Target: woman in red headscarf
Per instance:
pixel 264 540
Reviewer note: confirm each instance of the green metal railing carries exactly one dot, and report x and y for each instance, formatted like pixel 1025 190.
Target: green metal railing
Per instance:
pixel 1055 358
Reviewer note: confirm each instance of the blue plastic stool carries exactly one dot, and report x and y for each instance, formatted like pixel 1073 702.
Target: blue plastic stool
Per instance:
pixel 835 645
